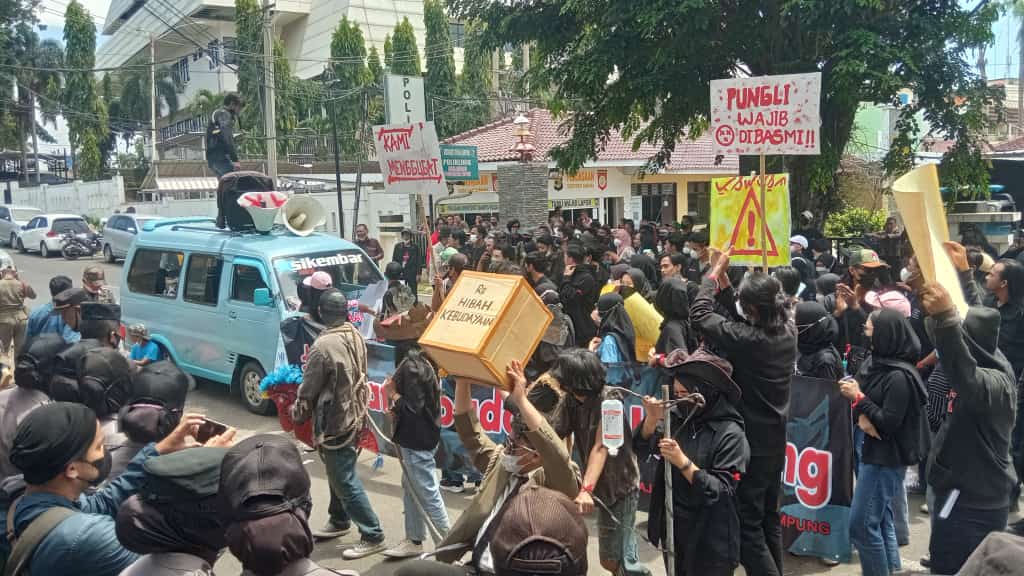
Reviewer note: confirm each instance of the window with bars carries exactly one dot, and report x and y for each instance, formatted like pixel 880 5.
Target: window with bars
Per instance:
pixel 651 200
pixel 698 200
pixel 180 70
pixel 213 50
pixel 457 31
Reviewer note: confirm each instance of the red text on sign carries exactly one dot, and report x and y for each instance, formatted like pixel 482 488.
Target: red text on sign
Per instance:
pixel 809 471
pixel 757 96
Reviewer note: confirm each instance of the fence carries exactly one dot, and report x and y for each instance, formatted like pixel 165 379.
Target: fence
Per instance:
pixel 96 199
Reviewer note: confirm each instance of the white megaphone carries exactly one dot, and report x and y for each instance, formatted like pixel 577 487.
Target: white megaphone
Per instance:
pixel 263 208
pixel 302 214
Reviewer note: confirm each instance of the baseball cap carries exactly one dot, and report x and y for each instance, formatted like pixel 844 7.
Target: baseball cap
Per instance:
pixel 447 253
pixel 319 281
pixel 138 331
pixel 867 258
pixel 70 298
pixel 801 240
pixel 100 311
pixel 540 532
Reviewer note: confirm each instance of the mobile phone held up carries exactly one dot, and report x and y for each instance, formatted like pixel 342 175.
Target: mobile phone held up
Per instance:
pixel 208 429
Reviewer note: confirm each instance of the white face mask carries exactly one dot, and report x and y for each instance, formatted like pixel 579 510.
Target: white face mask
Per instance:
pixel 472 237
pixel 688 251
pixel 510 462
pixel 618 243
pixel 739 310
pixel 904 275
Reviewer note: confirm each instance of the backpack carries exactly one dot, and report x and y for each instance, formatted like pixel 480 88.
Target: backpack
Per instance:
pixel 33 535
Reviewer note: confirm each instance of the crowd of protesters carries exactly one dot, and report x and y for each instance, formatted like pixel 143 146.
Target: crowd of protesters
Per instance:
pixel 97 478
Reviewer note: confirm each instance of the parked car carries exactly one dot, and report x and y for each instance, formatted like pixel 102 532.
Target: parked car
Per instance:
pixel 45 232
pixel 213 299
pixel 119 233
pixel 12 218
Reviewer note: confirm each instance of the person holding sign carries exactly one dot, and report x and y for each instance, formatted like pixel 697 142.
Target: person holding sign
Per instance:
pixel 763 351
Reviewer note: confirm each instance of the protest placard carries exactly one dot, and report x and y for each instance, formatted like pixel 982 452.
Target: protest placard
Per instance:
pixel 736 218
pixel 410 159
pixel 766 114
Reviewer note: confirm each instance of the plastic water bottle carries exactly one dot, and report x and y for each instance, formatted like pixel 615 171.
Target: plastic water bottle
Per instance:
pixel 612 426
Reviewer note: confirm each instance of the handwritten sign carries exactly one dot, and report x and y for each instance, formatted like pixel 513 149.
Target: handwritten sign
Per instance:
pixel 736 218
pixel 767 114
pixel 410 158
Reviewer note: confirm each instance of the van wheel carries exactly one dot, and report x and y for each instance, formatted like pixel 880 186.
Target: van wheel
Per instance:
pixel 13 241
pixel 43 250
pixel 108 254
pixel 249 377
pixel 21 246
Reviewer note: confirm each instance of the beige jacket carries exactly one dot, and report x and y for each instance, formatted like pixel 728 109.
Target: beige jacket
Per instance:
pixel 334 391
pixel 557 472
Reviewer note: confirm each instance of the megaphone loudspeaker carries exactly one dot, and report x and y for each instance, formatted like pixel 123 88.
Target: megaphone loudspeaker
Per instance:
pixel 262 208
pixel 302 214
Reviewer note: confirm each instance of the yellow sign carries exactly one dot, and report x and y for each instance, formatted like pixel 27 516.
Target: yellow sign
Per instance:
pixel 736 218
pixel 485 183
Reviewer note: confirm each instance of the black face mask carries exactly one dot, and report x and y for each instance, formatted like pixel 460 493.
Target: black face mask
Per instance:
pixel 102 465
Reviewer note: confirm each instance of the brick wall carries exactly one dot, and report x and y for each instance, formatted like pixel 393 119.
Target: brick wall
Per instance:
pixel 523 193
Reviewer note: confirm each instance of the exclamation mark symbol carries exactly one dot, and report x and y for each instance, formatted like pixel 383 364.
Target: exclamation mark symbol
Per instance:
pixel 810 139
pixel 750 229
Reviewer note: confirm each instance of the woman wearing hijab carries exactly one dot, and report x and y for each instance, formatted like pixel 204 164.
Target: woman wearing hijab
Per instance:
pixel 826 290
pixel 888 397
pixel 708 451
pixel 817 331
pixel 615 343
pixel 623 244
pixel 631 284
pixel 673 301
pixel 648 266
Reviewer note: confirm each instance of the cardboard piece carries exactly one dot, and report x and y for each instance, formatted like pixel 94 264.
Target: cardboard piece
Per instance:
pixel 736 218
pixel 920 203
pixel 767 114
pixel 486 322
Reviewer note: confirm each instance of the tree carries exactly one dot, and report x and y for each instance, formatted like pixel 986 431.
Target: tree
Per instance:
pixel 389 52
pixel 376 103
pixel 39 87
pixel 85 113
pixel 204 104
pixel 644 67
pixel 1017 8
pixel 374 66
pixel 440 83
pixel 348 51
pixel 405 57
pixel 130 111
pixel 475 87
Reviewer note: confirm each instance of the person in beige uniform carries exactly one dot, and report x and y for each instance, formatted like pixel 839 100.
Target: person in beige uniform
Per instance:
pixel 13 316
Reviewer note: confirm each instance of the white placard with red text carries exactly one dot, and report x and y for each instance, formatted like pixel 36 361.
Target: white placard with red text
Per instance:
pixel 767 115
pixel 410 159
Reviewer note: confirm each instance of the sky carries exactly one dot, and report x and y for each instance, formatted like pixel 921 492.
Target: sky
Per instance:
pixel 1003 55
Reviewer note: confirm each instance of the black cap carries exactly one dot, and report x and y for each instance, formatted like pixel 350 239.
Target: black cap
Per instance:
pixel 191 474
pixel 70 297
pixel 161 383
pixel 98 311
pixel 263 476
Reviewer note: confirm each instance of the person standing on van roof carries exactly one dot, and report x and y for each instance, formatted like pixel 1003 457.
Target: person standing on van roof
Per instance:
pixel 94 280
pixel 335 395
pixel 221 155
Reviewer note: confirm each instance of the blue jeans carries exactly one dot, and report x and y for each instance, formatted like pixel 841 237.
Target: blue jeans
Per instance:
pixel 617 540
pixel 418 475
pixel 341 474
pixel 901 515
pixel 872 530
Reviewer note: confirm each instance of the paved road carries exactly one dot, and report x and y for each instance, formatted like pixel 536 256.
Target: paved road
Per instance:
pixel 384 485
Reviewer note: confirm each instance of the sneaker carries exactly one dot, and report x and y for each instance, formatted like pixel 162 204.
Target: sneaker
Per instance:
pixel 829 562
pixel 924 508
pixel 406 549
pixel 331 530
pixel 363 549
pixel 453 487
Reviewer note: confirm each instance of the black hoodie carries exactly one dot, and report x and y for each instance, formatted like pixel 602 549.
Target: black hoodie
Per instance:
pixel 894 394
pixel 673 301
pixel 579 293
pixel 971 451
pixel 817 331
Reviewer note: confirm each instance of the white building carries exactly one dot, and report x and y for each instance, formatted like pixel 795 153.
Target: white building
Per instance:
pixel 197 38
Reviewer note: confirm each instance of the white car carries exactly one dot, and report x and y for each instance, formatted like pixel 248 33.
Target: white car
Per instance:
pixel 45 232
pixel 12 218
pixel 119 233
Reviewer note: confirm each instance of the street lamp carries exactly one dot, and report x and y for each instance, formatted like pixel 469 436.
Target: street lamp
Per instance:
pixel 521 130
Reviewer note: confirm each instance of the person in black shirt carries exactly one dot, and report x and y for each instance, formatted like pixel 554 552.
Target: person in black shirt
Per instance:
pixel 407 253
pixel 221 154
pixel 415 397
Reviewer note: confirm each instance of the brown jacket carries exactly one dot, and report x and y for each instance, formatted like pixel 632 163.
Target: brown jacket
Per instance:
pixel 557 472
pixel 334 391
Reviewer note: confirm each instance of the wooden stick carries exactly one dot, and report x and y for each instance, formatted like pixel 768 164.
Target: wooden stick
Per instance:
pixel 670 538
pixel 764 220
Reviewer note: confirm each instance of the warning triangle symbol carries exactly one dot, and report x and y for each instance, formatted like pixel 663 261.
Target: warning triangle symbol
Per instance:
pixel 746 238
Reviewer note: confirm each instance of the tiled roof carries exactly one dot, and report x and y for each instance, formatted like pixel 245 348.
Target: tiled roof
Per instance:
pixel 494 141
pixel 1014 145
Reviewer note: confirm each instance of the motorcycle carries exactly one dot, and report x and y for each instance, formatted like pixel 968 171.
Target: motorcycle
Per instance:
pixel 73 245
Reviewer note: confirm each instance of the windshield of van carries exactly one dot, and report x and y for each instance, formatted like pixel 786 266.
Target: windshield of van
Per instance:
pixel 350 272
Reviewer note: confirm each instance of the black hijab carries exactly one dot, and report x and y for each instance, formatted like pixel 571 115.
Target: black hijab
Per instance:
pixel 648 266
pixel 816 328
pixel 894 346
pixel 673 301
pixel 640 284
pixel 616 323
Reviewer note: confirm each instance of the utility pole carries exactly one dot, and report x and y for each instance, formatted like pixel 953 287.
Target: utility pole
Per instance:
pixel 152 99
pixel 359 170
pixel 270 114
pixel 35 138
pixel 337 169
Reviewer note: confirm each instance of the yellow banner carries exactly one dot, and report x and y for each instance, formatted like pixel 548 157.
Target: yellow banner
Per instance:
pixel 736 218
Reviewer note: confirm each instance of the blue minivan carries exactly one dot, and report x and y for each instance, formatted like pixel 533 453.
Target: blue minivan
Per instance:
pixel 214 299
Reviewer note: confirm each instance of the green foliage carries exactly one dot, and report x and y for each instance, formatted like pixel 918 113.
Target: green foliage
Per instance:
pixel 249 44
pixel 389 52
pixel 86 115
pixel 439 84
pixel 405 57
pixel 348 50
pixel 90 159
pixel 475 87
pixel 376 102
pixel 374 66
pixel 663 55
pixel 851 221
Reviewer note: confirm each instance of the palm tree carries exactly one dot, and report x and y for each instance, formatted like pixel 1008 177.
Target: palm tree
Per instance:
pixel 39 84
pixel 204 104
pixel 132 107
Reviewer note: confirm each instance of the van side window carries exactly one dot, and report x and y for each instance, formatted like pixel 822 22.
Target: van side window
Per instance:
pixel 246 280
pixel 202 280
pixel 155 273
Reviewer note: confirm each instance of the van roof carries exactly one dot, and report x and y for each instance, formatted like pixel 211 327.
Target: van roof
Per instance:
pixel 201 234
